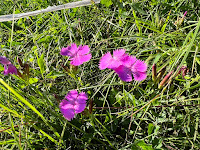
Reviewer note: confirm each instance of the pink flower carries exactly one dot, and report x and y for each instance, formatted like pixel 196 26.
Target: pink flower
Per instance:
pixel 124 65
pixel 77 55
pixel 8 67
pixel 73 103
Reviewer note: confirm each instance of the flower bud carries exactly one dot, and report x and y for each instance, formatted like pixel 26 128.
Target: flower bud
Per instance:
pixel 19 74
pixel 154 73
pixel 165 80
pixel 26 69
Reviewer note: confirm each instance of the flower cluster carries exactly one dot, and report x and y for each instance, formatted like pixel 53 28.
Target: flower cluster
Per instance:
pixel 124 65
pixel 73 103
pixel 78 55
pixel 9 68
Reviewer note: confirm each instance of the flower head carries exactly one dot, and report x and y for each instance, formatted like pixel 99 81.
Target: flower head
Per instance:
pixel 73 103
pixel 9 68
pixel 124 65
pixel 78 55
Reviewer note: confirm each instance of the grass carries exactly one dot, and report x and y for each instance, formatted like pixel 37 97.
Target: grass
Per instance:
pixel 133 115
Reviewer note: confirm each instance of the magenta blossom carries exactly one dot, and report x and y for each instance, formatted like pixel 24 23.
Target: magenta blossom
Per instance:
pixel 78 55
pixel 73 103
pixel 8 67
pixel 124 65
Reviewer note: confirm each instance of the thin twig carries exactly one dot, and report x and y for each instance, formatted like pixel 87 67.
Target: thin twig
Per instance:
pixel 10 17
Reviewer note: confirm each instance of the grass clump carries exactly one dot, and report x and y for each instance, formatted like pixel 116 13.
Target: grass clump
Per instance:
pixel 149 114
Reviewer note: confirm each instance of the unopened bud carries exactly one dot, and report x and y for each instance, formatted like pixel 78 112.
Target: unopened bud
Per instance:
pixel 19 74
pixel 165 80
pixel 154 73
pixel 26 69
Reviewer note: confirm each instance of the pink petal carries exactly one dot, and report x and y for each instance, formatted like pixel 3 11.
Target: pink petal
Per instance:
pixel 76 61
pixel 85 58
pixel 70 50
pixel 72 95
pixel 68 113
pixel 83 49
pixel 5 72
pixel 140 66
pixel 4 60
pixel 82 97
pixel 79 108
pixel 105 61
pixel 80 104
pixel 12 69
pixel 67 109
pixel 118 54
pixel 80 59
pixel 124 73
pixel 128 61
pixel 65 51
pixel 139 76
pixel 74 49
pixel 65 104
pixel 114 64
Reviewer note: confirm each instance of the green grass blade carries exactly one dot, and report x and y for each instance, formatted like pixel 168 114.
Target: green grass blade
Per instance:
pixel 191 43
pixel 10 110
pixel 29 105
pixel 45 134
pixel 14 133
pixel 166 22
